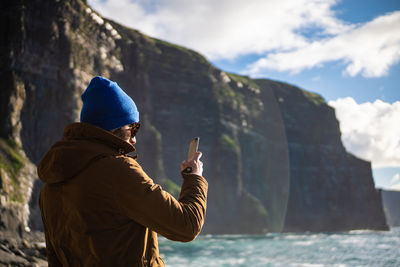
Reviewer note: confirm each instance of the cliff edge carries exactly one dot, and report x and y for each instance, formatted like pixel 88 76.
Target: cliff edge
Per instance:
pixel 272 152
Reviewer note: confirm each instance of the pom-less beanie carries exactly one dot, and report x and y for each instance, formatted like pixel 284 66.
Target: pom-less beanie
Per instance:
pixel 107 106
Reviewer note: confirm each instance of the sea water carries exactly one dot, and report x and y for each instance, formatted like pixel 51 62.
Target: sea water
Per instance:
pixel 354 248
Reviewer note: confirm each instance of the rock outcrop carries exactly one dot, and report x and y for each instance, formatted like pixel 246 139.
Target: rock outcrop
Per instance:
pixel 26 250
pixel 391 206
pixel 329 188
pixel 272 152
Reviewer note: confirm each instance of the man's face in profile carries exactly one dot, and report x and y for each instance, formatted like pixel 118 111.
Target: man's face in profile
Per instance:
pixel 127 132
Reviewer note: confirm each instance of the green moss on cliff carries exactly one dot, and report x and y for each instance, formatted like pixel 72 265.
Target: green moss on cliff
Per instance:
pixel 245 80
pixel 251 207
pixel 226 94
pixel 226 140
pixel 79 55
pixel 11 162
pixel 10 156
pixel 289 89
pixel 223 92
pixel 261 209
pixel 240 93
pixel 182 51
pixel 313 97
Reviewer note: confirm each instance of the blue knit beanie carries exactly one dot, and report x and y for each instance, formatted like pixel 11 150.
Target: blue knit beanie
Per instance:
pixel 107 106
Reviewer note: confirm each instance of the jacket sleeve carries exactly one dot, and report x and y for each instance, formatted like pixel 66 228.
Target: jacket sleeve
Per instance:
pixel 146 203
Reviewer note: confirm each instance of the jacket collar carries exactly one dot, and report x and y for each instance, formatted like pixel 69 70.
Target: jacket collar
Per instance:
pixel 81 130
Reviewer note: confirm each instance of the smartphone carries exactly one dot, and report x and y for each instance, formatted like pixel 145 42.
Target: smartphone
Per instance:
pixel 193 146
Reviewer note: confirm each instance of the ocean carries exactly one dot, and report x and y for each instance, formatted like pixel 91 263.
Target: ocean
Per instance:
pixel 354 248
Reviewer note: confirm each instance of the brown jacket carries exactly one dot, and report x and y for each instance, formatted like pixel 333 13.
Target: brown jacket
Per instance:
pixel 99 208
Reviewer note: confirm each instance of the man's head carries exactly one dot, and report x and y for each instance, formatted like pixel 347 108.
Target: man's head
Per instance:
pixel 107 106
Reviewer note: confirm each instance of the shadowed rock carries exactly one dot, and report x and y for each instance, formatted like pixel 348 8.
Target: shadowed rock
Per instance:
pixel 272 152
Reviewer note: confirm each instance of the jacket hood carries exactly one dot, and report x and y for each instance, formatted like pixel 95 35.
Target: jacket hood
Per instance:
pixel 82 144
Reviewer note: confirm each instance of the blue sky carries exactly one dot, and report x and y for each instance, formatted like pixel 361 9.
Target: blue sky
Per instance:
pixel 347 51
pixel 329 81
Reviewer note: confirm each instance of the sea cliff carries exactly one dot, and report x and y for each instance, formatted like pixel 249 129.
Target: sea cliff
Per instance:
pixel 273 154
pixel 391 201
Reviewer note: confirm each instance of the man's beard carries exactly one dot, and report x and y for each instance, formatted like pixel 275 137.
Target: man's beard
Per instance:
pixel 121 134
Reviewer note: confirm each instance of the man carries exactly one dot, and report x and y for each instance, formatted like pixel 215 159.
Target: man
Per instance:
pixel 99 208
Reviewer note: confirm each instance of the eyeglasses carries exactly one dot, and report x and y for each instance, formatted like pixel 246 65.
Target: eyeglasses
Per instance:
pixel 134 128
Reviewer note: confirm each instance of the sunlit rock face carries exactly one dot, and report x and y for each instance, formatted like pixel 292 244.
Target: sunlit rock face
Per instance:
pixel 272 152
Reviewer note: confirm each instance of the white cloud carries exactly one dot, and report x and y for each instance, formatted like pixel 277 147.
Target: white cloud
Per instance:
pixel 395 182
pixel 226 28
pixel 395 179
pixel 273 29
pixel 370 130
pixel 369 49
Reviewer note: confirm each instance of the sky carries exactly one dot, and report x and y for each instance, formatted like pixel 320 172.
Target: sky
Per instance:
pixel 348 51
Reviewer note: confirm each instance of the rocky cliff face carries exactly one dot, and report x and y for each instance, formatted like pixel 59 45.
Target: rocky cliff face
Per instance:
pixel 391 201
pixel 272 152
pixel 329 188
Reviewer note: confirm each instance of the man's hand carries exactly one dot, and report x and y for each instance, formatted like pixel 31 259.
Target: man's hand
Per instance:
pixel 195 164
